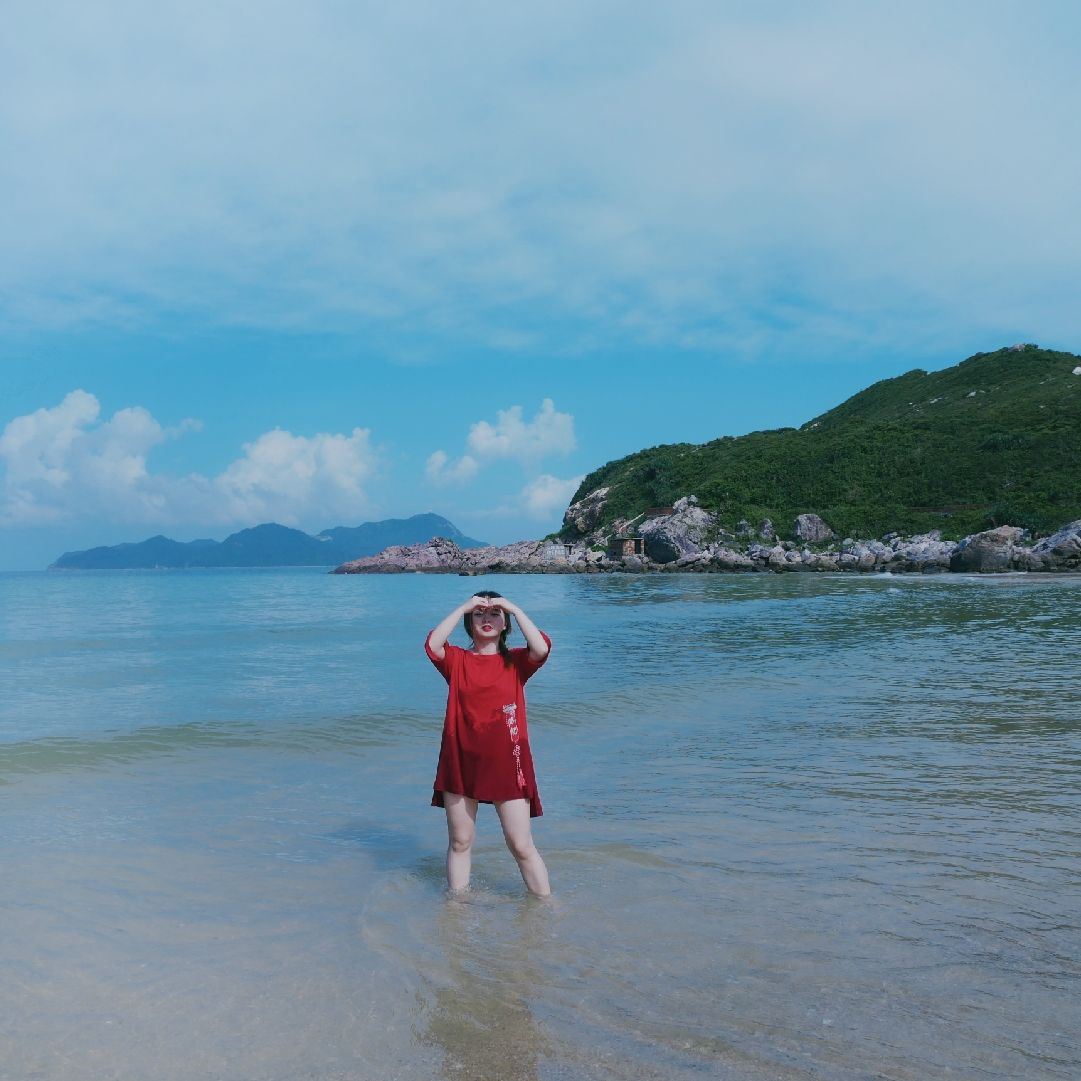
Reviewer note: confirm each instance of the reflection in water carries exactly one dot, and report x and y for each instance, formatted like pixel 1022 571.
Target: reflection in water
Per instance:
pixel 480 1015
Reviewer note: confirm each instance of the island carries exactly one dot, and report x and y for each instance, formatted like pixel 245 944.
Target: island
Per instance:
pixel 975 468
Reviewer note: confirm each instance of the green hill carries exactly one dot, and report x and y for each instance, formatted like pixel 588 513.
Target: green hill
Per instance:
pixel 993 440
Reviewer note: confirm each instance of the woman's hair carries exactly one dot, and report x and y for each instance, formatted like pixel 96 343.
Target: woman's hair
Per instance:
pixel 467 621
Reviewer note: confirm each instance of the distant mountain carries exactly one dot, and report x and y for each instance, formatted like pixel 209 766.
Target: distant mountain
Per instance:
pixel 994 440
pixel 269 545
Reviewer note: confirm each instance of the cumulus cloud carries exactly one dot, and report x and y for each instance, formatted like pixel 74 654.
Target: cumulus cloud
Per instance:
pixel 64 463
pixel 439 468
pixel 547 496
pixel 510 437
pixel 61 461
pixel 291 478
pixel 547 433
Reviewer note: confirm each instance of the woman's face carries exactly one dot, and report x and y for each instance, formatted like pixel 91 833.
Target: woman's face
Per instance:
pixel 489 622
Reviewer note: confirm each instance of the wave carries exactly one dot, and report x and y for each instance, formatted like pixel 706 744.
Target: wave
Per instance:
pixel 117 748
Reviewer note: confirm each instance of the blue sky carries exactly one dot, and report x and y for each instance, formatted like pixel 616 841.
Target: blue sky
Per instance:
pixel 328 262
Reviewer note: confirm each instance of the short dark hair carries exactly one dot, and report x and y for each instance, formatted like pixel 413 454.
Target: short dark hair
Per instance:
pixel 467 622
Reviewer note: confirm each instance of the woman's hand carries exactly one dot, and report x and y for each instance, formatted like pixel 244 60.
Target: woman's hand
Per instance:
pixel 437 640
pixel 538 647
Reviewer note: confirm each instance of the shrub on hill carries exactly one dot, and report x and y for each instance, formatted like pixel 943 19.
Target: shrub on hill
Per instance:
pixel 994 440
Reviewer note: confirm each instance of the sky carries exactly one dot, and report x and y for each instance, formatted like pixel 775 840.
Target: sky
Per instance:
pixel 332 262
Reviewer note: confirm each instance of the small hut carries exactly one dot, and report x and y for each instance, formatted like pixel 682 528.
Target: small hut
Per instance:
pixel 623 545
pixel 556 552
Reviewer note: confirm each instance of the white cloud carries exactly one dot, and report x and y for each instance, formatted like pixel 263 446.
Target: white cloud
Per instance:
pixel 546 496
pixel 529 442
pixel 547 433
pixel 35 448
pixel 290 478
pixel 438 471
pixel 536 507
pixel 64 463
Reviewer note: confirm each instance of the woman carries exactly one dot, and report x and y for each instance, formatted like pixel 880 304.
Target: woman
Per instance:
pixel 485 756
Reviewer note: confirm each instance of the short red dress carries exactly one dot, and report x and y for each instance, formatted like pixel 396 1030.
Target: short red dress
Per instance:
pixel 485 752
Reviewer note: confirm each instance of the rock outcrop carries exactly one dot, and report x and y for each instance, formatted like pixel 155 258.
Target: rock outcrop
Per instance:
pixel 688 540
pixel 584 516
pixel 439 555
pixel 810 529
pixel 443 556
pixel 1059 552
pixel 677 536
pixel 989 552
pixel 924 553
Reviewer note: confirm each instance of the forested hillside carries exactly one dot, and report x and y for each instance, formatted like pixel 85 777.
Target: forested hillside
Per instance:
pixel 993 440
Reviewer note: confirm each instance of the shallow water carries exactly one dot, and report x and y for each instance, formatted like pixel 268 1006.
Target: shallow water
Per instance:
pixel 798 827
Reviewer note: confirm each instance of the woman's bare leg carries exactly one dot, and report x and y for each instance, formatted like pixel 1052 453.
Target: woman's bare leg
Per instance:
pixel 514 818
pixel 461 829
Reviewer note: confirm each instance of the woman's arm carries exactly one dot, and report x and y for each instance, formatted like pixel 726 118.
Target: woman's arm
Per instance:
pixel 438 638
pixel 538 647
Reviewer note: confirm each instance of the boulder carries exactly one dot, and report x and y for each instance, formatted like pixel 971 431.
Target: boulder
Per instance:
pixel 924 552
pixel 759 553
pixel 812 530
pixel 1061 551
pixel 988 552
pixel 1028 559
pixel 679 534
pixel 585 515
pixel 728 559
pixel 775 558
pixel 873 553
pixel 694 561
pixel 766 530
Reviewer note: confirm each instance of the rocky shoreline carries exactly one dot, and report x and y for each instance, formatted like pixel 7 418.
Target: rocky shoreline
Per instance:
pixel 687 539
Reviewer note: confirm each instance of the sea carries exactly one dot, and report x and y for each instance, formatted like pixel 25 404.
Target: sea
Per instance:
pixel 798 827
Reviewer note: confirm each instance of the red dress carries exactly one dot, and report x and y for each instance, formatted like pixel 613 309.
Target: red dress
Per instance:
pixel 485 753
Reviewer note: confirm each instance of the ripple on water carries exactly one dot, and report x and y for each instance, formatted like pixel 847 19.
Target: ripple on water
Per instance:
pixel 799 827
